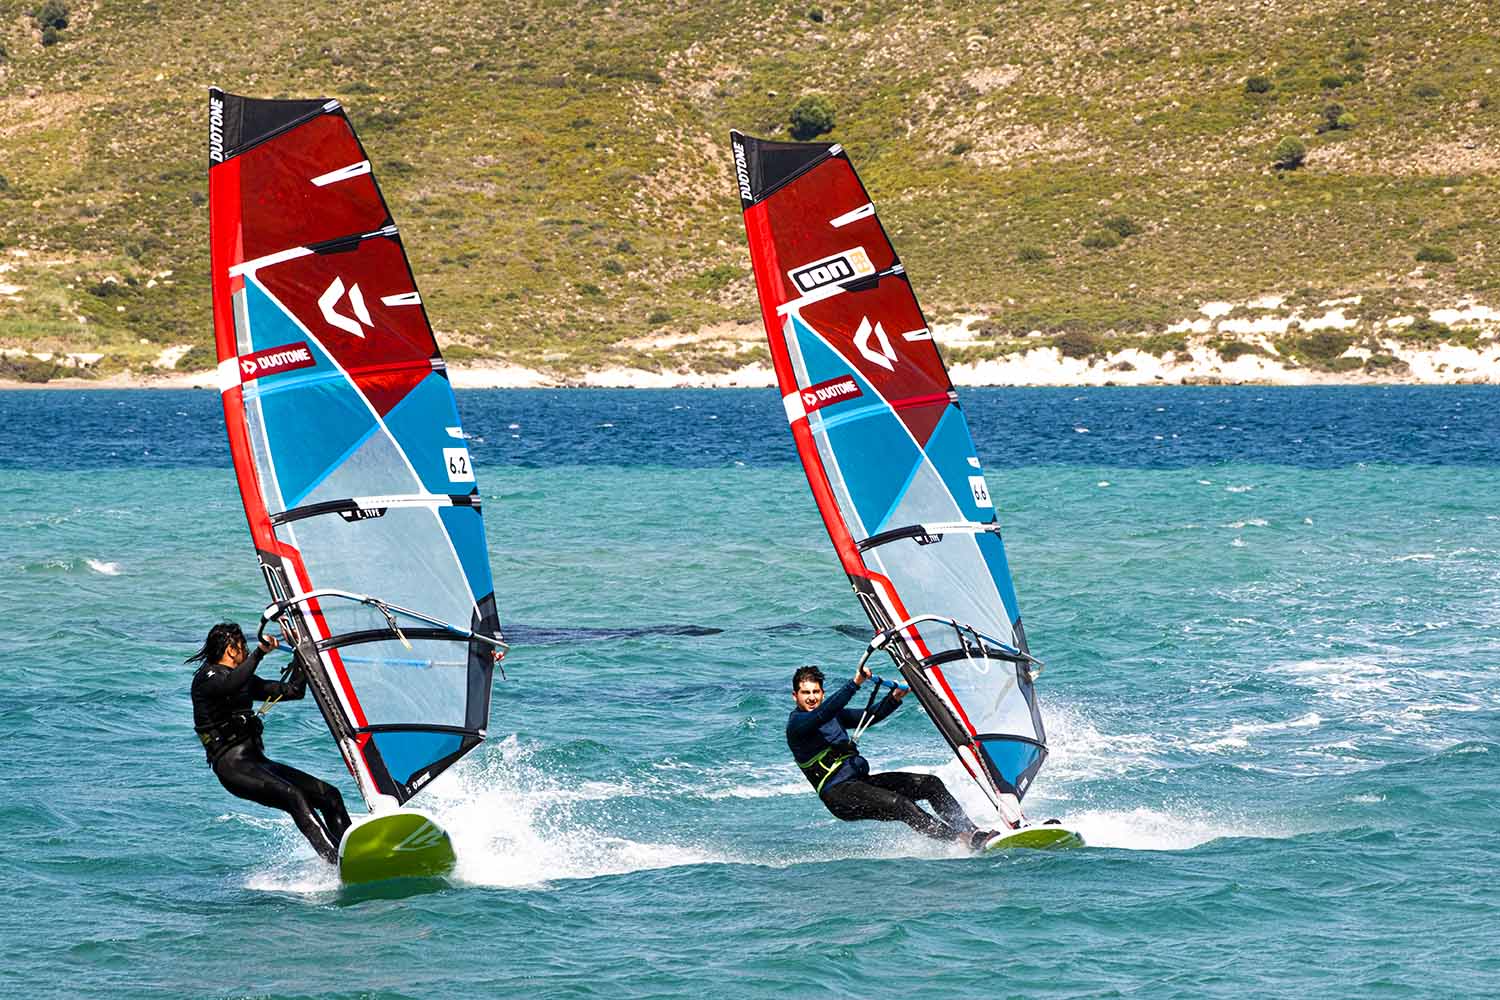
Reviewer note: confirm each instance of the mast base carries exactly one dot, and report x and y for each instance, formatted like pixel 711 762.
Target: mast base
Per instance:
pixel 403 844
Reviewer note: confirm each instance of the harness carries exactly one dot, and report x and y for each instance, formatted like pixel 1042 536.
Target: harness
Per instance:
pixel 218 737
pixel 829 760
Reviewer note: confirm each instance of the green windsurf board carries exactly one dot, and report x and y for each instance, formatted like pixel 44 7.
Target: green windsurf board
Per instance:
pixel 1040 836
pixel 402 844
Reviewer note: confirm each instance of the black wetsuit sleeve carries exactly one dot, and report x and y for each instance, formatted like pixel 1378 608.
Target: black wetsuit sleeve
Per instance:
pixel 288 690
pixel 804 722
pixel 887 706
pixel 232 682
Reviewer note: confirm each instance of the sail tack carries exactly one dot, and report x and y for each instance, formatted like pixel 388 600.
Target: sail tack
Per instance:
pixel 350 456
pixel 888 454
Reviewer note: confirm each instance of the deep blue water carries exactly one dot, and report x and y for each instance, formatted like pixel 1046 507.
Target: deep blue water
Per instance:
pixel 1269 618
pixel 1170 427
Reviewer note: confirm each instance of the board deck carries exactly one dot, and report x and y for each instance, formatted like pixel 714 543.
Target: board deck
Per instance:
pixel 1041 836
pixel 403 844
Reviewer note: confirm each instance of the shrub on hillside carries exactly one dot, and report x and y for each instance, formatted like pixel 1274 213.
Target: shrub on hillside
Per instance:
pixel 52 14
pixel 612 266
pixel 1332 81
pixel 1355 51
pixel 1435 255
pixel 960 148
pixel 29 369
pixel 1232 350
pixel 4 184
pixel 1258 85
pixel 1077 344
pixel 1102 239
pixel 50 36
pixel 658 317
pixel 1426 91
pixel 201 357
pixel 1121 225
pixel 1289 154
pixel 1030 254
pixel 714 278
pixel 1323 349
pixel 1335 118
pixel 815 14
pixel 1424 330
pixel 1386 364
pixel 811 117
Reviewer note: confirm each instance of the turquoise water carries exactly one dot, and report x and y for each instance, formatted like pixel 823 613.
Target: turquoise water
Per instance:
pixel 1271 697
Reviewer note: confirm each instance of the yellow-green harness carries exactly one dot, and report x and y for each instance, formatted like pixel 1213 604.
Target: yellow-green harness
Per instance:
pixel 842 752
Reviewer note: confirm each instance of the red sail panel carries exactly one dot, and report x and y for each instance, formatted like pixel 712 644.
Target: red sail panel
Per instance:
pixel 343 299
pixel 286 210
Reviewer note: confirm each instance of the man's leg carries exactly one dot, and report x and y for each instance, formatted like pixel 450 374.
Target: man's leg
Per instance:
pixel 323 796
pixel 244 774
pixel 927 788
pixel 850 800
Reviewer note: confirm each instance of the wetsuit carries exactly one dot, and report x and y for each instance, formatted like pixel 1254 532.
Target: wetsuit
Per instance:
pixel 820 742
pixel 226 722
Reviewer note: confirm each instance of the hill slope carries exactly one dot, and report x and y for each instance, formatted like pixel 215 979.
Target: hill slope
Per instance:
pixel 561 173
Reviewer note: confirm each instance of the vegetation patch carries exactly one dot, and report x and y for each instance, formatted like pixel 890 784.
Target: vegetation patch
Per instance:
pixel 1102 239
pixel 1322 350
pixel 1435 254
pixel 1386 364
pixel 1233 350
pixel 32 370
pixel 811 117
pixel 1078 344
pixel 1290 153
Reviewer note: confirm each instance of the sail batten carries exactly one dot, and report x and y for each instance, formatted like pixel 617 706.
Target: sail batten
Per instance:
pixel 888 455
pixel 347 444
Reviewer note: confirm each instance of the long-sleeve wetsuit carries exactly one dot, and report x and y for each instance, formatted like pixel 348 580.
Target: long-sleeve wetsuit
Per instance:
pixel 223 715
pixel 820 743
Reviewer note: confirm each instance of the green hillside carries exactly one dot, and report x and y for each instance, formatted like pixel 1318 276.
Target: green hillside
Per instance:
pixel 560 171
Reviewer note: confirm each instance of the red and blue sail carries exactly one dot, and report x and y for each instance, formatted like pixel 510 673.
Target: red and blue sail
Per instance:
pixel 888 454
pixel 350 456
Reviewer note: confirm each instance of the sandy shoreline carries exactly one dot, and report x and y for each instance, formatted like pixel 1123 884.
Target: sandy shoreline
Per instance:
pixel 1448 365
pixel 1377 355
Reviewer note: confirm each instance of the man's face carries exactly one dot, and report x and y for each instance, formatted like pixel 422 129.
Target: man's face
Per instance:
pixel 809 695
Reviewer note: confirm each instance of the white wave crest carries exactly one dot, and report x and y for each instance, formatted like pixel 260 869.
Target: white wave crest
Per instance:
pixel 104 568
pixel 1145 829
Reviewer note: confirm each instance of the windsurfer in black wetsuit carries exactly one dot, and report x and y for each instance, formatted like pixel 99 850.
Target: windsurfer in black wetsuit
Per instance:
pixel 817 734
pixel 224 690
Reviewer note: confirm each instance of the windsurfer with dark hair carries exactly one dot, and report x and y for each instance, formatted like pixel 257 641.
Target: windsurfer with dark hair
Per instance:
pixel 224 690
pixel 817 733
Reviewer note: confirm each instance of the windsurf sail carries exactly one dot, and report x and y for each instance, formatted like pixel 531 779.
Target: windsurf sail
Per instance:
pixel 888 454
pixel 352 462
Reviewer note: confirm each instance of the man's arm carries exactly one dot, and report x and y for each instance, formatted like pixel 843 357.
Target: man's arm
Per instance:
pixel 850 719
